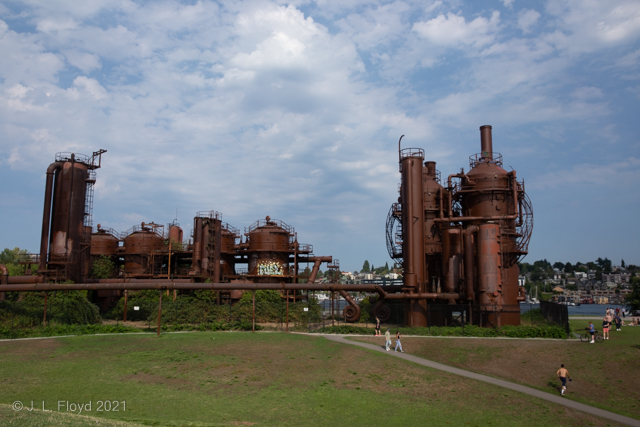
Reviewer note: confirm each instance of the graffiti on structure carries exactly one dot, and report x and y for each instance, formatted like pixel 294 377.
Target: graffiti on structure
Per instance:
pixel 269 268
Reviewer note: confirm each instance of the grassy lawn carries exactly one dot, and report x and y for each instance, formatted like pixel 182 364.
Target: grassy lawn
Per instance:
pixel 220 378
pixel 605 375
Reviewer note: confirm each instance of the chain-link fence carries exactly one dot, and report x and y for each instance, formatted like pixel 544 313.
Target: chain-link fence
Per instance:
pixel 259 310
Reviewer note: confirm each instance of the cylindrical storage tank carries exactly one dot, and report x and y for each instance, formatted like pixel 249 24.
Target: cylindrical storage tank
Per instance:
pixel 138 247
pixel 412 194
pixel 268 249
pixel 412 217
pixel 228 250
pixel 175 233
pixel 489 274
pixel 432 192
pixel 451 259
pixel 489 193
pixel 103 242
pixel 68 211
pixel 196 266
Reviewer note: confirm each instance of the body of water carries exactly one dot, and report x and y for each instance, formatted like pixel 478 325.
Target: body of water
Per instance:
pixel 589 310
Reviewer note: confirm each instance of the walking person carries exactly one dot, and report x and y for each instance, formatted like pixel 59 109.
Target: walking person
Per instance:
pixel 618 321
pixel 592 332
pixel 387 336
pixel 606 324
pixel 398 344
pixel 378 334
pixel 563 374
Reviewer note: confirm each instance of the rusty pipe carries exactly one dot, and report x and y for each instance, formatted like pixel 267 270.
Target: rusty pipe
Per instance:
pixel 468 261
pixel 522 294
pixel 14 280
pixel 314 271
pixel 3 279
pixel 350 317
pixel 486 142
pixel 460 175
pixel 46 215
pixel 317 260
pixel 475 218
pixel 425 295
pixel 174 284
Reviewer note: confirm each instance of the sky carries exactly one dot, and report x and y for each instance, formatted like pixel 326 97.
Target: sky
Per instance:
pixel 294 110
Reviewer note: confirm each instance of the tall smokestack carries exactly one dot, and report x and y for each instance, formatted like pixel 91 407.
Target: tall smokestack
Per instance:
pixel 486 143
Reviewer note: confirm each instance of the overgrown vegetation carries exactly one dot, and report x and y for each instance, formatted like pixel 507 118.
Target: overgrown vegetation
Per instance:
pixel 200 307
pixel 27 309
pixel 103 268
pixel 459 331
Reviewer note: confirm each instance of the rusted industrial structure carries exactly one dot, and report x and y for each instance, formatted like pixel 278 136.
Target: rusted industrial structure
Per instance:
pixel 457 243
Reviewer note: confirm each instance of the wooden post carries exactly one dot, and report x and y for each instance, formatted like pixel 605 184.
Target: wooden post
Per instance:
pixel 287 310
pixel 124 317
pixel 159 311
pixel 44 318
pixel 332 309
pixel 254 311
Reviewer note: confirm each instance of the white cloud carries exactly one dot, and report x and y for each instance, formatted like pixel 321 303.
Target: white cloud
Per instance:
pixel 454 30
pixel 86 62
pixel 526 19
pixel 588 25
pixel 259 108
pixel 602 175
pixel 629 60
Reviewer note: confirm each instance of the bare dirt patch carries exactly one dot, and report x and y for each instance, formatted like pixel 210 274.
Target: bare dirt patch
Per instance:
pixel 35 349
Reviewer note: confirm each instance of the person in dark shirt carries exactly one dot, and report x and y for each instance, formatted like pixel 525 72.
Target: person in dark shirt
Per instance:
pixel 618 321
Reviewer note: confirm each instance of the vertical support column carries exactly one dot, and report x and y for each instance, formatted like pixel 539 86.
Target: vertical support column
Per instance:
pixel 124 315
pixel 44 318
pixel 287 310
pixel 412 200
pixel 254 311
pixel 159 311
pixel 489 272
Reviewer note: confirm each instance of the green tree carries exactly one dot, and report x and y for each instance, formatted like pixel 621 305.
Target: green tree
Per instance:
pixel 365 267
pixel 558 265
pixel 525 267
pixel 568 268
pixel 103 268
pixel 622 263
pixel 633 299
pixel 10 258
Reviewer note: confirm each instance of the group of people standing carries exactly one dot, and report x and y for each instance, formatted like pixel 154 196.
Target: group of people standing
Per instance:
pixel 387 336
pixel 611 316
